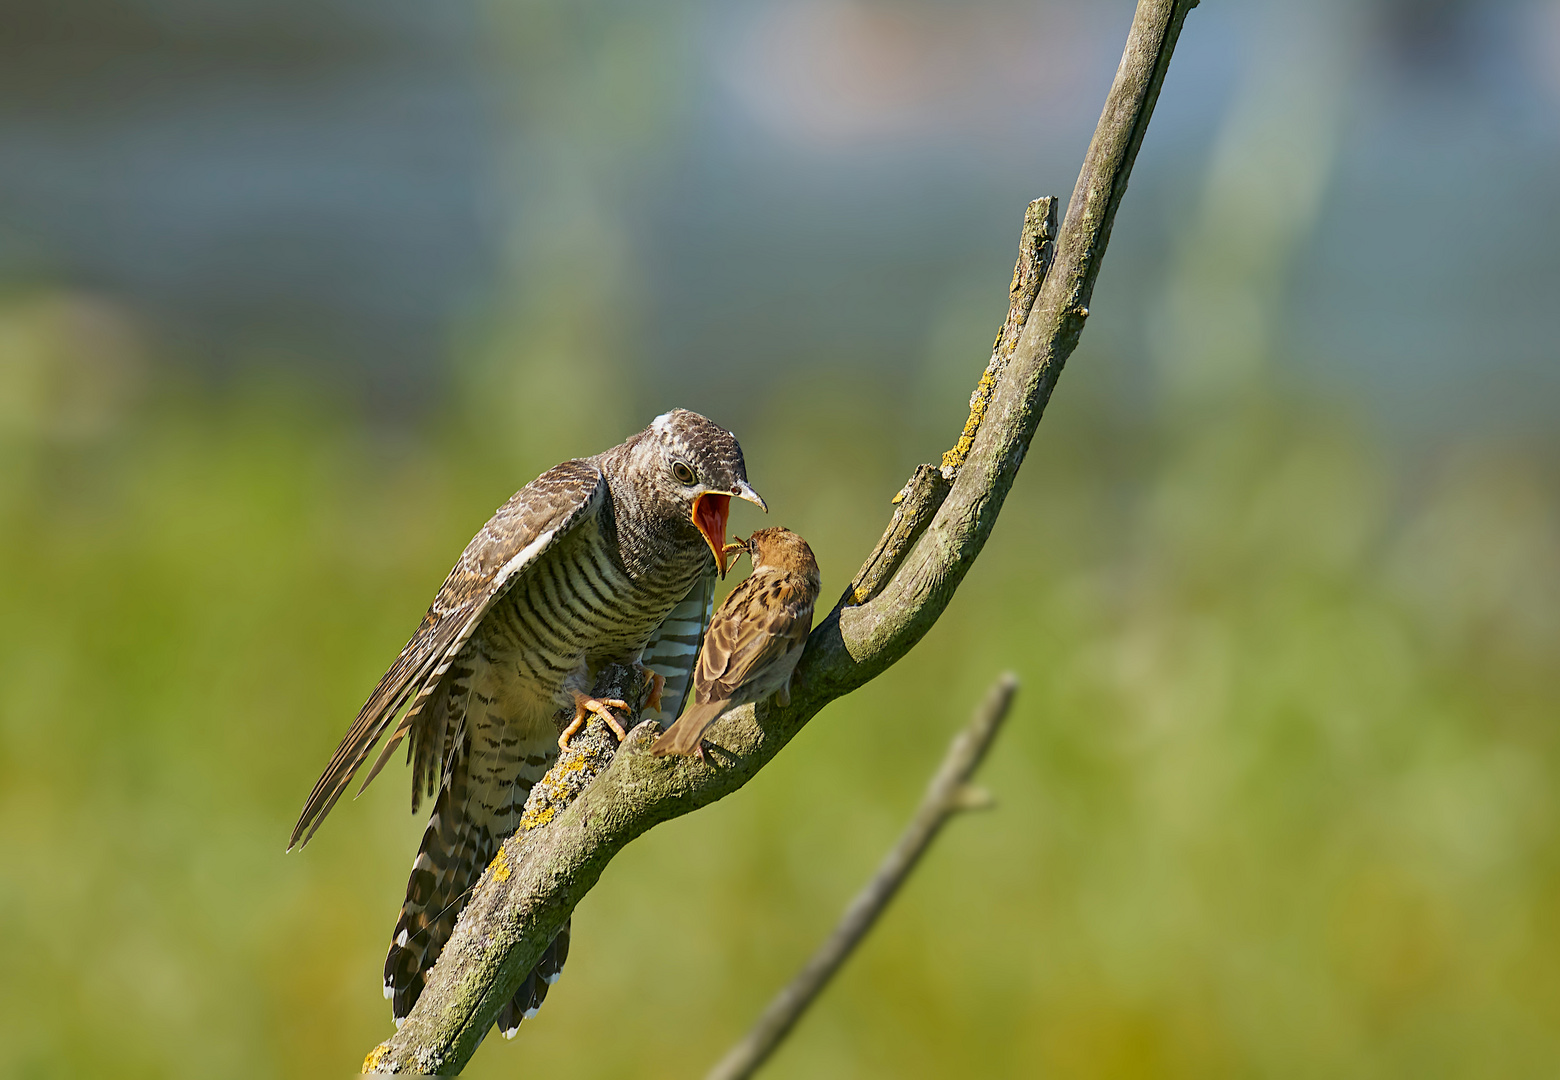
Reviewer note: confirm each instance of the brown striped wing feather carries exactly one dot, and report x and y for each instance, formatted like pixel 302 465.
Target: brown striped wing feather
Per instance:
pixel 763 624
pixel 765 617
pixel 524 527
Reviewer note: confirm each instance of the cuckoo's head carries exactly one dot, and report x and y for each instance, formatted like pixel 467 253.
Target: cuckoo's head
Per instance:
pixel 695 468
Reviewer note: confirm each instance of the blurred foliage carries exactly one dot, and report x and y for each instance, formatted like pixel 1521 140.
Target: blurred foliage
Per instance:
pixel 1277 798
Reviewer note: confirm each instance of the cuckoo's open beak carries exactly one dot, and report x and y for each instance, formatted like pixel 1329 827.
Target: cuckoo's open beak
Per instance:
pixel 709 514
pixel 710 510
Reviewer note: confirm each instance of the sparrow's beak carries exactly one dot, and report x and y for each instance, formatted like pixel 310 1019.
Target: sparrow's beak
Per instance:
pixel 742 491
pixel 709 514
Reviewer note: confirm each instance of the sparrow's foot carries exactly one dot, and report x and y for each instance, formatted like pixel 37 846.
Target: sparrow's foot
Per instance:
pixel 657 682
pixel 602 707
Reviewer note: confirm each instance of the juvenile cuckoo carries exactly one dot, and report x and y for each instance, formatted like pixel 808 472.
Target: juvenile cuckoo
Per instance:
pixel 603 559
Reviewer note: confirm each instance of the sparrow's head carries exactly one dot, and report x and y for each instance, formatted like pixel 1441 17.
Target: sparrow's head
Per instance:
pixel 779 548
pixel 695 468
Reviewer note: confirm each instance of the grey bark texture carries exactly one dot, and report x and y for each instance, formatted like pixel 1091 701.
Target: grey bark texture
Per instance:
pixel 543 872
pixel 948 794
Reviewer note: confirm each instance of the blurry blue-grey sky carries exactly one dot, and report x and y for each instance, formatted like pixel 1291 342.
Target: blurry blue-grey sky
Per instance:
pixel 1357 194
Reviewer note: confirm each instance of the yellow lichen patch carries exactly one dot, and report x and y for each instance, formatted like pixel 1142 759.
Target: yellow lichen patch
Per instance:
pixel 375 1056
pixel 532 819
pixel 978 402
pixel 500 866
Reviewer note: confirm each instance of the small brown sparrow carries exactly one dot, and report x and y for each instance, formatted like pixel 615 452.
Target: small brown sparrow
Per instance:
pixel 754 640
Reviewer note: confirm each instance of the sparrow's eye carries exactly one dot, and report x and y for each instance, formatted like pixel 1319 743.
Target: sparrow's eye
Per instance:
pixel 683 471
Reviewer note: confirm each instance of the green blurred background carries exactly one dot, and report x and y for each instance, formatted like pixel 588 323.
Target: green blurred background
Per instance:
pixel 291 296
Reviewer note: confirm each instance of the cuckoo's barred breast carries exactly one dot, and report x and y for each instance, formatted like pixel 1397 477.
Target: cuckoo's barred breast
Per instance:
pixel 581 603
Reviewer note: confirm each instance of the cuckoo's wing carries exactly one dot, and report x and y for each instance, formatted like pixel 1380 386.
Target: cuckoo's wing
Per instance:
pixel 674 650
pixel 524 527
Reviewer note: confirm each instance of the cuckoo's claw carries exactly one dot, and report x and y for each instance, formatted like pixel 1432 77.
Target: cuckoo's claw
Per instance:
pixel 657 682
pixel 602 707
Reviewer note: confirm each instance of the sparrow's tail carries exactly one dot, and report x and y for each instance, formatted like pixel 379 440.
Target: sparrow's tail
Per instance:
pixel 683 736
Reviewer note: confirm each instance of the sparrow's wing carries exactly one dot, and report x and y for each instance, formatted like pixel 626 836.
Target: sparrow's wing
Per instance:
pixel 674 650
pixel 764 618
pixel 528 524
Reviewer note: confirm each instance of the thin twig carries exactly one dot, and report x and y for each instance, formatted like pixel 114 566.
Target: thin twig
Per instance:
pixel 948 794
pixel 508 923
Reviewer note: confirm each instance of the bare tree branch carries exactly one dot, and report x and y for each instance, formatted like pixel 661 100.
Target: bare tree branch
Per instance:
pixel 549 869
pixel 921 496
pixel 948 794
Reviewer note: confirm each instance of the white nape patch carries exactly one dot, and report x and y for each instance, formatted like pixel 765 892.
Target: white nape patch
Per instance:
pixel 389 991
pixel 530 1012
pixel 661 423
pixel 554 977
pixel 401 939
pixel 510 1033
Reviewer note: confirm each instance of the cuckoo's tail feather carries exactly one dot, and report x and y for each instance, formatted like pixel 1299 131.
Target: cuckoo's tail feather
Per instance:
pixel 533 990
pixel 487 776
pixel 456 848
pixel 455 851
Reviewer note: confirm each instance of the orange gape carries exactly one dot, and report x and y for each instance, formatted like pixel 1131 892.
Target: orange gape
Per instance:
pixel 709 514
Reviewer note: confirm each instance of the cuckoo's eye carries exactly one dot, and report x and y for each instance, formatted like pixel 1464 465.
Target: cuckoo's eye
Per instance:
pixel 683 471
